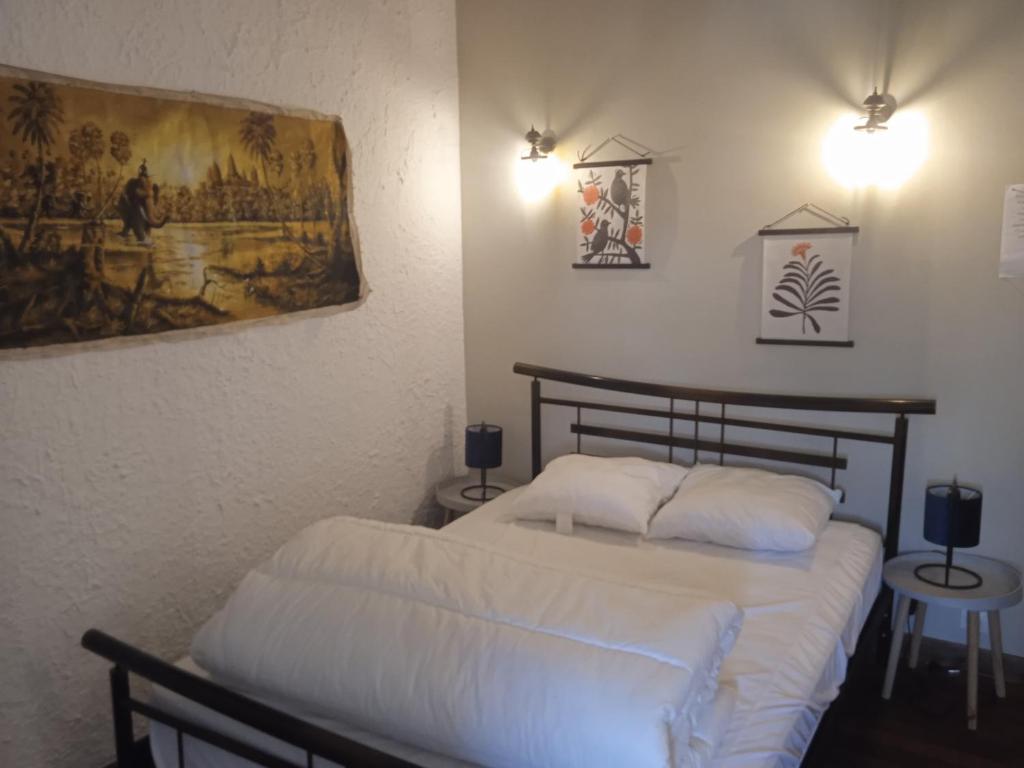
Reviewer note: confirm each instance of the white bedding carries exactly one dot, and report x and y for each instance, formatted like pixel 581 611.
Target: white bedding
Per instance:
pixel 472 651
pixel 804 612
pixel 704 740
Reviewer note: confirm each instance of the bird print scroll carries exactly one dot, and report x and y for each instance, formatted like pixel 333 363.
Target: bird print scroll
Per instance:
pixel 611 222
pixel 805 293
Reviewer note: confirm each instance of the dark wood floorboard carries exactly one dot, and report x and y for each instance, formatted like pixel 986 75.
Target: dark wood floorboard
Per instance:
pixel 924 724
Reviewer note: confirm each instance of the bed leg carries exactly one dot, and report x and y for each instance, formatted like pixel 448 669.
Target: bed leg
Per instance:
pixel 884 637
pixel 124 737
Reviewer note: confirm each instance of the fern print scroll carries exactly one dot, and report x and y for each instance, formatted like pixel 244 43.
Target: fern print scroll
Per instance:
pixel 805 295
pixel 806 289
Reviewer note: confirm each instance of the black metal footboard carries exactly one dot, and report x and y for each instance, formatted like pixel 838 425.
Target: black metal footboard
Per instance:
pixel 311 739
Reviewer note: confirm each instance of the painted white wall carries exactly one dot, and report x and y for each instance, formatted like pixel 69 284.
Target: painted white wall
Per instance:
pixel 737 96
pixel 141 482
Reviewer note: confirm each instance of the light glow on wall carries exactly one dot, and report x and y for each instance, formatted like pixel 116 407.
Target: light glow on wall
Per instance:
pixel 884 159
pixel 536 179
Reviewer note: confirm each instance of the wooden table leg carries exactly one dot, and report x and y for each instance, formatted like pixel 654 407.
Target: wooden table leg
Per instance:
pixel 902 610
pixel 996 638
pixel 915 639
pixel 972 670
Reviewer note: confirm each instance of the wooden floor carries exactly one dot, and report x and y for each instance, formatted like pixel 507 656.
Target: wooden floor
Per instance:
pixel 925 722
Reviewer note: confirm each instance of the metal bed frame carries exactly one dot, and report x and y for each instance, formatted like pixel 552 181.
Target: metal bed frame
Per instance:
pixel 319 742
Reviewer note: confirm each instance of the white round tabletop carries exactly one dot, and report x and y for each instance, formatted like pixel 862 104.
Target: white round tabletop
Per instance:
pixel 449 494
pixel 1000 587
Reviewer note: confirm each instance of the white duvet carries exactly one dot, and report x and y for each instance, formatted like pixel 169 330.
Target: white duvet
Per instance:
pixel 460 649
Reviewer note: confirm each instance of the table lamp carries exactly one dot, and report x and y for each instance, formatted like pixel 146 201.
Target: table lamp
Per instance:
pixel 483 452
pixel 952 518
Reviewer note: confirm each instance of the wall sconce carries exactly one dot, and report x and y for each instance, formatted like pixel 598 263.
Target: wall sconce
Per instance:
pixel 540 144
pixel 536 179
pixel 883 150
pixel 878 109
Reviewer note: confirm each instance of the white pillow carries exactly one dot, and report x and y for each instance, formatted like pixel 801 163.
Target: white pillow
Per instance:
pixel 620 493
pixel 746 508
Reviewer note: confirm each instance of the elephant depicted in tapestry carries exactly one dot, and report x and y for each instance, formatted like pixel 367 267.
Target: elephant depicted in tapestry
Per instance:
pixel 137 206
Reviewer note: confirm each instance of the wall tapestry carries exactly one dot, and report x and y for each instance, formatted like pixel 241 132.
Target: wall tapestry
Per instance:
pixel 610 229
pixel 133 211
pixel 805 294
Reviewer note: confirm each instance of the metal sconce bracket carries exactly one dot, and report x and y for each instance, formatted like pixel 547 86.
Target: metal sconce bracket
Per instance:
pixel 878 108
pixel 540 143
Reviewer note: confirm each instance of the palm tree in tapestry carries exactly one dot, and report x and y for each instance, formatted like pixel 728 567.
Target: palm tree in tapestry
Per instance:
pixel 36 114
pixel 258 136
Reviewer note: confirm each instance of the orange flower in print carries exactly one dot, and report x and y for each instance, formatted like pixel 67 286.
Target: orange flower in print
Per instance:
pixel 591 194
pixel 800 249
pixel 587 227
pixel 634 234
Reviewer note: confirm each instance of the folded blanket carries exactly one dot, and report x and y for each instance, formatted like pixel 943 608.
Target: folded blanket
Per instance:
pixel 459 649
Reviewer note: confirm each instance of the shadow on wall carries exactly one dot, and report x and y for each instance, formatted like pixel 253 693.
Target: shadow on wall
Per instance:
pixel 440 466
pixel 894 61
pixel 898 63
pixel 979 29
pixel 749 312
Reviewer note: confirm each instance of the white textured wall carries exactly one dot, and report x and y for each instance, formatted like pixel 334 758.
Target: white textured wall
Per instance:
pixel 137 484
pixel 738 95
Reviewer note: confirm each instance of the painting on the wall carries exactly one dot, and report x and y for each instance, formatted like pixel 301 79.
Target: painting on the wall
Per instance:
pixel 127 211
pixel 805 296
pixel 610 228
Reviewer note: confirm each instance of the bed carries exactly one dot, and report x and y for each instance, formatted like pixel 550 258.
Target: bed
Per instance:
pixel 805 614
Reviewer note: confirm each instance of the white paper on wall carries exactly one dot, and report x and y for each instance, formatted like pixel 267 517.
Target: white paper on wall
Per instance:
pixel 805 294
pixel 1011 255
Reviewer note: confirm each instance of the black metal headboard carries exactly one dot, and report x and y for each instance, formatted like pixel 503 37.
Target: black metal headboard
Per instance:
pixel 901 407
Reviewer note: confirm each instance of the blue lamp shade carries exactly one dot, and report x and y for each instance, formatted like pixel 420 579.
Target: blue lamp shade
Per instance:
pixel 952 516
pixel 483 446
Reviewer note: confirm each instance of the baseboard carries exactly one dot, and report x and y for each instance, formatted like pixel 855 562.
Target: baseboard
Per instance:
pixel 954 656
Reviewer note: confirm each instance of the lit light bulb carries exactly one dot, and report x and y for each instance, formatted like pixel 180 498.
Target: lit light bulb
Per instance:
pixel 537 178
pixel 883 159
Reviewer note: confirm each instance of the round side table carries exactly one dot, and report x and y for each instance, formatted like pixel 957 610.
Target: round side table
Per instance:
pixel 449 495
pixel 1000 588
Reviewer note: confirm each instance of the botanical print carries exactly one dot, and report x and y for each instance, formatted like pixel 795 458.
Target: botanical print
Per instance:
pixel 125 214
pixel 611 220
pixel 806 287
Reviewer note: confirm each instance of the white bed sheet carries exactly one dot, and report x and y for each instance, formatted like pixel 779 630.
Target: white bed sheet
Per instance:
pixel 803 614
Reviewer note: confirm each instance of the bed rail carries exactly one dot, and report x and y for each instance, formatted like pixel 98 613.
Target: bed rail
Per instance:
pixel 313 740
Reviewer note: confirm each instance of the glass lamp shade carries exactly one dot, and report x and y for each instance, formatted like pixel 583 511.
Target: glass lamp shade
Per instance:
pixel 483 446
pixel 952 516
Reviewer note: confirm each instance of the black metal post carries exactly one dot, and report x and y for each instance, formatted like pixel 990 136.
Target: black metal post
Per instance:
pixel 535 425
pixel 120 696
pixel 899 460
pixel 892 528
